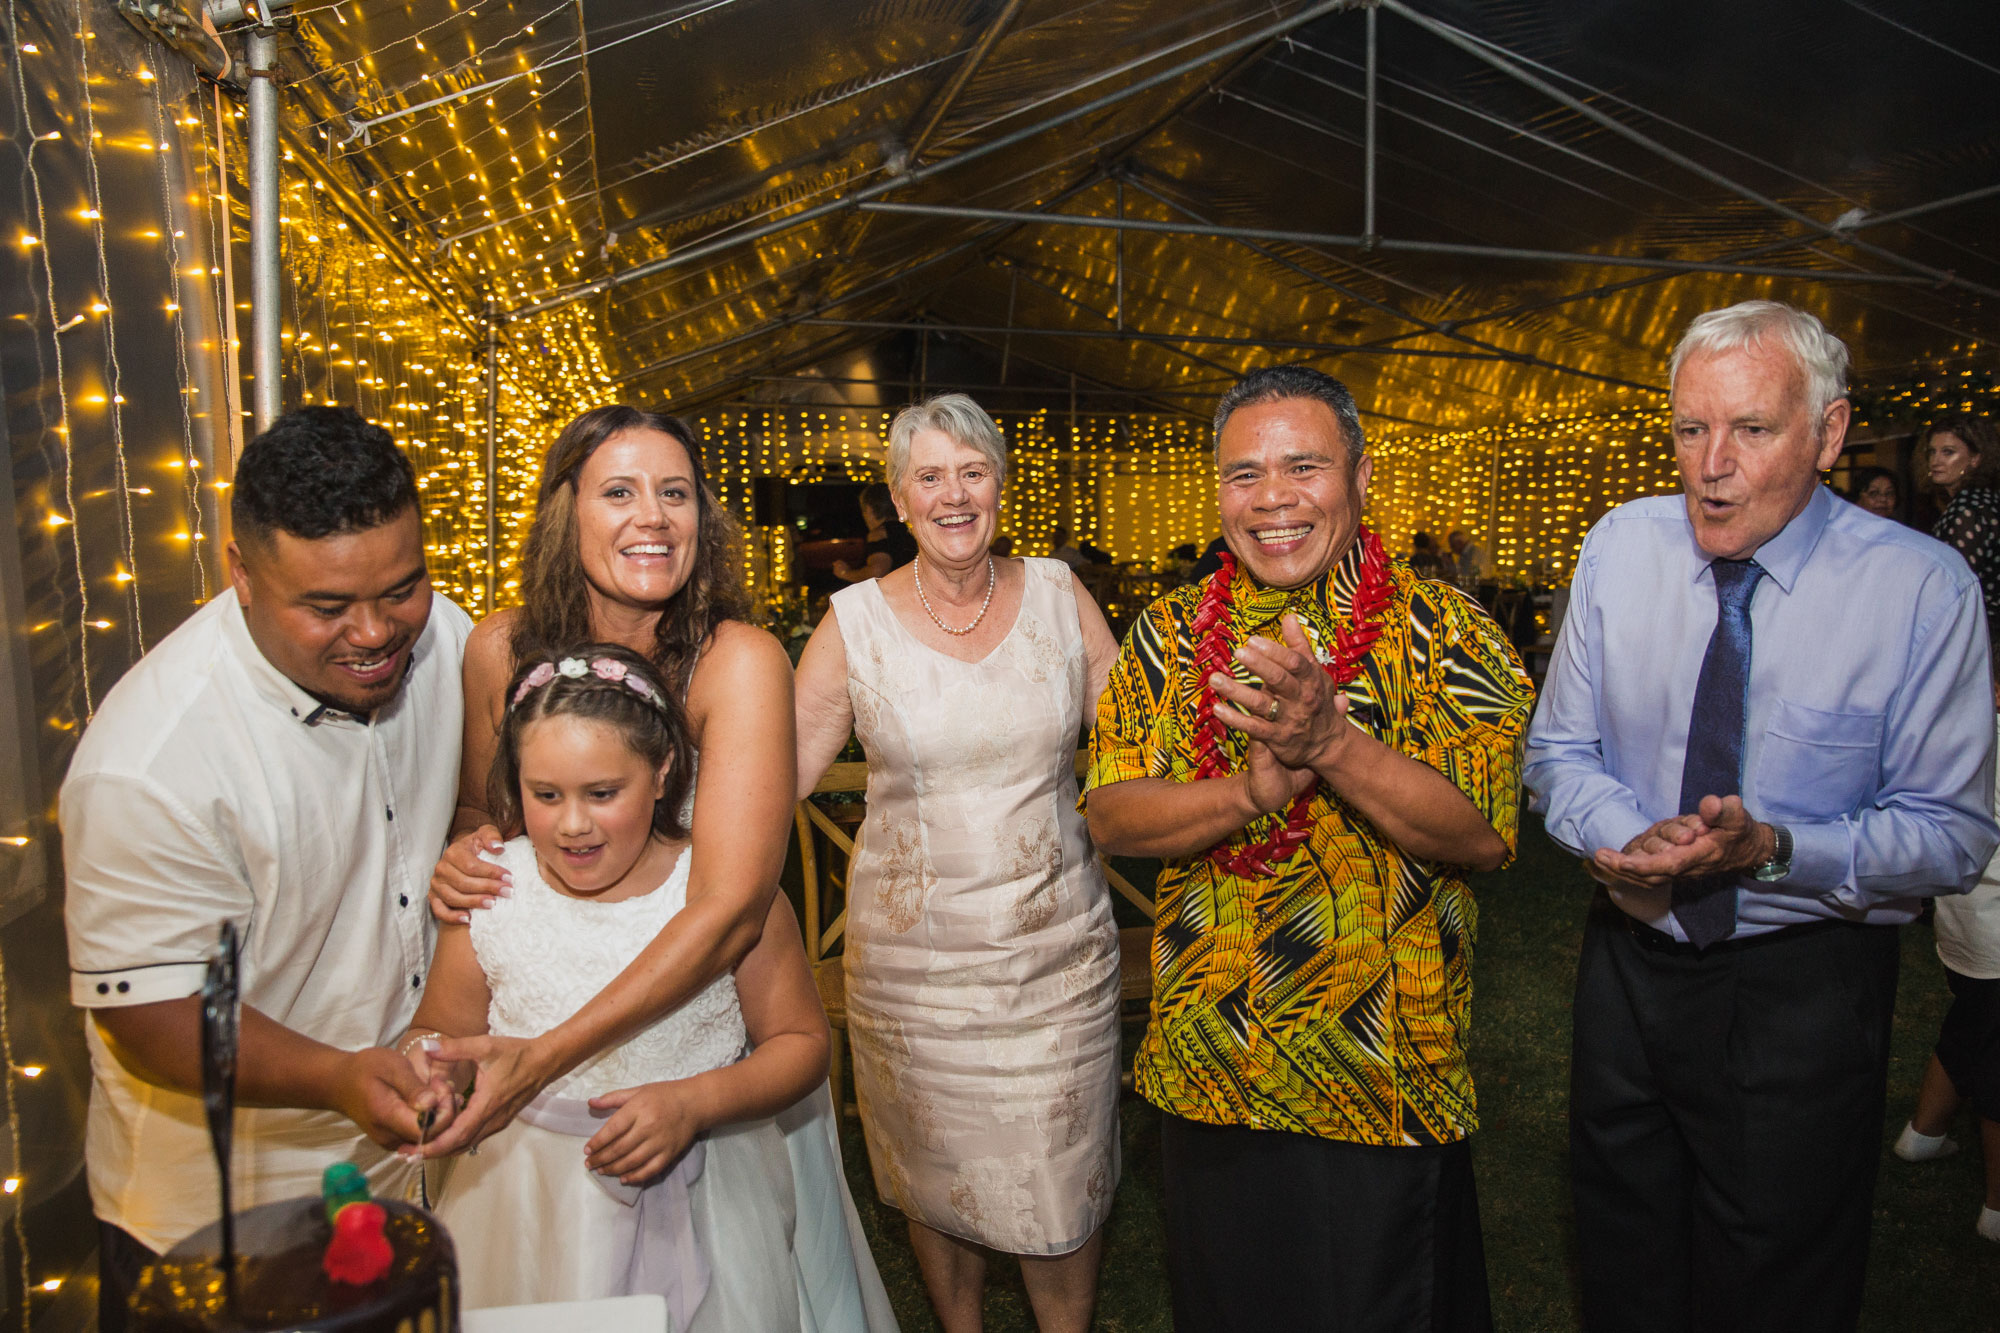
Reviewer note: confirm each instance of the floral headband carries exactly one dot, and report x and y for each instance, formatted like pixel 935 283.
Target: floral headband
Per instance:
pixel 576 668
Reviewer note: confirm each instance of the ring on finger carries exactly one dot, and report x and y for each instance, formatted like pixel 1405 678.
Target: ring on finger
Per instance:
pixel 1272 715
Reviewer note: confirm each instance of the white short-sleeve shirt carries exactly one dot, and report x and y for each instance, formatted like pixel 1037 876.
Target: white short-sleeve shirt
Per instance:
pixel 210 788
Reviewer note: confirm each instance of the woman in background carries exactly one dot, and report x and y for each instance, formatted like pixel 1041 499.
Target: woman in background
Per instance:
pixel 1877 490
pixel 888 545
pixel 1964 457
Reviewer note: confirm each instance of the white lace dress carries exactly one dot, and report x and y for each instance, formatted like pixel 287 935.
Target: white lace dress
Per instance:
pixel 529 1222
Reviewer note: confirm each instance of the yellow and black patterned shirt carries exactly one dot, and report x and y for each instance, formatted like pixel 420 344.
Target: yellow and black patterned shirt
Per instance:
pixel 1333 999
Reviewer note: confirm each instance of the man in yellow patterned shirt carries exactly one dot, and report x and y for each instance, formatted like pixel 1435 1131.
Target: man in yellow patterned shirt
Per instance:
pixel 1319 744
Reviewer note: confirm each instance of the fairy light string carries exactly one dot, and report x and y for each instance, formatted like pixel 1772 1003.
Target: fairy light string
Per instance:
pixel 56 323
pixel 127 538
pixel 190 478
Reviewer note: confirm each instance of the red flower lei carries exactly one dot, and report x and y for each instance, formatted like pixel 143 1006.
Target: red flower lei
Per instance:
pixel 1212 621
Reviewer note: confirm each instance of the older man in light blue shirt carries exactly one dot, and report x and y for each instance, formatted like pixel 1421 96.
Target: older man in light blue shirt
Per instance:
pixel 1768 728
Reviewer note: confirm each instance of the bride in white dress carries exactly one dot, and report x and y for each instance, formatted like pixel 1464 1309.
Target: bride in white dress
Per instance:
pixel 660 1165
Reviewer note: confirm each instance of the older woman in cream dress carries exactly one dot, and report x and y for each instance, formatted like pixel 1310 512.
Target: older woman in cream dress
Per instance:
pixel 982 962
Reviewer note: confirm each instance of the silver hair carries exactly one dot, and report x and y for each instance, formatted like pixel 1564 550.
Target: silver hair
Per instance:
pixel 955 415
pixel 1820 357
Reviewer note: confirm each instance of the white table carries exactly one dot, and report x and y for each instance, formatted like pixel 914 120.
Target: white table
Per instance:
pixel 616 1314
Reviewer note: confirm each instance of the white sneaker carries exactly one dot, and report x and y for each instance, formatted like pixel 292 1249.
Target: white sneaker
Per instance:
pixel 1914 1147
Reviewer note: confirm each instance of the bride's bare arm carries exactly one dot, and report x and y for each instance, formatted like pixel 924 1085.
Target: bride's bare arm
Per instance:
pixel 825 716
pixel 463 881
pixel 740 706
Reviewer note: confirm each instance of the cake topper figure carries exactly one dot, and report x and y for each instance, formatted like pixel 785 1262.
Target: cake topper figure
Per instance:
pixel 220 995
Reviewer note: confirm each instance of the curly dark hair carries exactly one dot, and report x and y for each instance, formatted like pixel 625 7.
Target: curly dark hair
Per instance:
pixel 317 471
pixel 555 600
pixel 655 729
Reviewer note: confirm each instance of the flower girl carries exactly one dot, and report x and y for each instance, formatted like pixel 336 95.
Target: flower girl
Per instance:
pixel 657 1165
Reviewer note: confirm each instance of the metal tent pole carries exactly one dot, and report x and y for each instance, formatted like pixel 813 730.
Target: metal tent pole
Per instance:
pixel 492 457
pixel 266 305
pixel 1368 138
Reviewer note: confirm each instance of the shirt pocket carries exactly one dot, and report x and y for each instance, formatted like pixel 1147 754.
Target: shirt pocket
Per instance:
pixel 1817 765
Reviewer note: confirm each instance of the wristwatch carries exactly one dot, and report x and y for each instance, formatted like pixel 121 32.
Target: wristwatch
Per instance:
pixel 1780 864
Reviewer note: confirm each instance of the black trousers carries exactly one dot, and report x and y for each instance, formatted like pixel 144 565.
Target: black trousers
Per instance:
pixel 1968 1045
pixel 1269 1231
pixel 121 1257
pixel 1725 1124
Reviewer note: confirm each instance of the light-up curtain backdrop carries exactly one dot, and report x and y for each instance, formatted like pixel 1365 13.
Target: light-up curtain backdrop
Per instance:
pixel 110 364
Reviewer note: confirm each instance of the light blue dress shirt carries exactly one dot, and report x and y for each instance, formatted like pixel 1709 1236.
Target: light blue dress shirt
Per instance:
pixel 1870 727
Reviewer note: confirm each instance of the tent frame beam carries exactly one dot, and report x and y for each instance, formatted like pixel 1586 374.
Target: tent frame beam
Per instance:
pixel 918 174
pixel 1337 240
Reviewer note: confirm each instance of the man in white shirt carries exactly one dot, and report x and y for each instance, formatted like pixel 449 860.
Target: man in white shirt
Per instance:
pixel 286 760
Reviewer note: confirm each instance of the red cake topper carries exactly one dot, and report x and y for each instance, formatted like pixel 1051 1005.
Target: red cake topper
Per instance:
pixel 359 1253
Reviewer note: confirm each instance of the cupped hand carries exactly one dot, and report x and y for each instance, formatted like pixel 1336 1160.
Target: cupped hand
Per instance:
pixel 512 1070
pixel 1718 838
pixel 1271 785
pixel 383 1095
pixel 464 880
pixel 1311 723
pixel 651 1127
pixel 438 1104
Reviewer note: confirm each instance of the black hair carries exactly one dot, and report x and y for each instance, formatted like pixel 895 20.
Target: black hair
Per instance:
pixel 878 500
pixel 655 728
pixel 1274 383
pixel 1863 477
pixel 317 471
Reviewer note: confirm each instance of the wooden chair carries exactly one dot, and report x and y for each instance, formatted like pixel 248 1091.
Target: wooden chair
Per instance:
pixel 824 883
pixel 829 973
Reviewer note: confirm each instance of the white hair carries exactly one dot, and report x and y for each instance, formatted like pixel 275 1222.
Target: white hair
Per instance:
pixel 955 415
pixel 1820 357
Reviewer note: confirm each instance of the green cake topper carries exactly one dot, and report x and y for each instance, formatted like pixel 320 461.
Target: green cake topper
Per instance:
pixel 342 1184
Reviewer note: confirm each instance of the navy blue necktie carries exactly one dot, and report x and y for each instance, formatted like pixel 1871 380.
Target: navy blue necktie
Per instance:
pixel 1705 905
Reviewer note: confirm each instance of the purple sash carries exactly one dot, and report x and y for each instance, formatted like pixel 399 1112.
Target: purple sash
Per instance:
pixel 666 1258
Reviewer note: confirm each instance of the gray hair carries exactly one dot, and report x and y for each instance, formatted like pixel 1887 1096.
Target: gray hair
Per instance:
pixel 1273 383
pixel 955 415
pixel 1820 357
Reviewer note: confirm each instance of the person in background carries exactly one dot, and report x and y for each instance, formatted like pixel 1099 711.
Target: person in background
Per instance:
pixel 1312 966
pixel 1963 454
pixel 982 959
pixel 1470 565
pixel 1211 560
pixel 889 544
pixel 1426 562
pixel 1965 1066
pixel 1877 490
pixel 1063 547
pixel 284 761
pixel 1765 785
pixel 1003 547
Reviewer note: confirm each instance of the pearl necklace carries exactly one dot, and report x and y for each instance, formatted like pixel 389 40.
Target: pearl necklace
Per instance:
pixel 992 578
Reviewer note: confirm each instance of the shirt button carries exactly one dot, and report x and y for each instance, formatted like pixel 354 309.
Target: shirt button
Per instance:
pixel 124 987
pixel 104 988
pixel 416 983
pixel 402 900
pixel 391 813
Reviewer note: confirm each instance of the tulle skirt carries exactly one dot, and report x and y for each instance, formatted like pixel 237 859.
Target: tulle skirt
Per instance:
pixel 771 1211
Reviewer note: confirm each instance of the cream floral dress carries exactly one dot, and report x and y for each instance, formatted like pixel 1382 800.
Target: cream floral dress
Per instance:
pixel 982 962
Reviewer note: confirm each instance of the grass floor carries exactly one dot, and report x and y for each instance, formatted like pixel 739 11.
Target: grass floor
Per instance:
pixel 1928 1271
